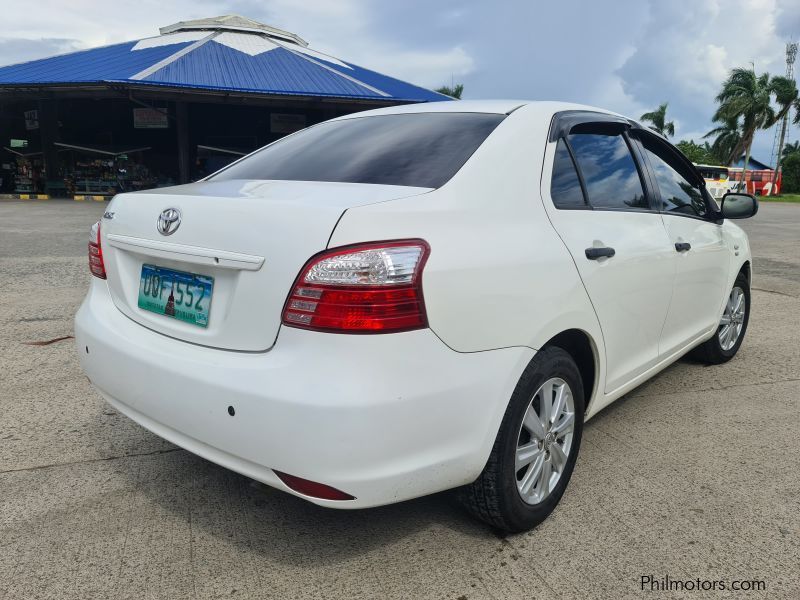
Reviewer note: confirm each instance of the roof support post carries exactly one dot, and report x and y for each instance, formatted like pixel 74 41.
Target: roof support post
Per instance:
pixel 182 129
pixel 48 129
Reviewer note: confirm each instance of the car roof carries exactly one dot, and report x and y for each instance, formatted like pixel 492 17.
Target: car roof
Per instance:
pixel 546 107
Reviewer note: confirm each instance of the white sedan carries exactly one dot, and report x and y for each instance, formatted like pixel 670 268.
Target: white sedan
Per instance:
pixel 414 299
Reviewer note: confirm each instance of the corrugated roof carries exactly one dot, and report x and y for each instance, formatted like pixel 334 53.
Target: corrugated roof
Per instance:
pixel 226 53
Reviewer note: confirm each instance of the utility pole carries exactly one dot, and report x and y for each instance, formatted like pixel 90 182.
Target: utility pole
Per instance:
pixel 791 55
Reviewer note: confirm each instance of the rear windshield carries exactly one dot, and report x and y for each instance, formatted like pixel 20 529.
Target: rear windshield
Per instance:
pixel 420 149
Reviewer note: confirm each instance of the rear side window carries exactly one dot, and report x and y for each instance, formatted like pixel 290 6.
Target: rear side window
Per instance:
pixel 565 186
pixel 609 171
pixel 677 184
pixel 421 149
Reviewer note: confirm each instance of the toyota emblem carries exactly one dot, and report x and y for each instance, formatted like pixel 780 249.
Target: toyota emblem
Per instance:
pixel 168 221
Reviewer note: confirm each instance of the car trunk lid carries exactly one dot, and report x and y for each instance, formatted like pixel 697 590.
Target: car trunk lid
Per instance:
pixel 251 237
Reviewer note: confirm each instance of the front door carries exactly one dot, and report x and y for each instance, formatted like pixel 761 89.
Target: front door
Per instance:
pixel 702 258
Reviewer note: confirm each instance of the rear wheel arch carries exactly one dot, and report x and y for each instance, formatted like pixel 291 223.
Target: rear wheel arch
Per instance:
pixel 581 347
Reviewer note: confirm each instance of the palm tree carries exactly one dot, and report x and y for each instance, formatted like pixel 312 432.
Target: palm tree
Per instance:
pixel 453 92
pixel 746 96
pixel 791 147
pixel 786 96
pixel 709 151
pixel 727 144
pixel 658 118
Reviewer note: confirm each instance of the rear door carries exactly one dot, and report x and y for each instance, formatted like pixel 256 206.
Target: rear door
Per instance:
pixel 600 206
pixel 702 258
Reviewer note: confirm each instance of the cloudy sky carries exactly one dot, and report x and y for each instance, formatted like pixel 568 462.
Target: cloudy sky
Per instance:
pixel 625 55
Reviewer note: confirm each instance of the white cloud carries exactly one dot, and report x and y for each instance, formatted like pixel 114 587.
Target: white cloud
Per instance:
pixel 425 68
pixel 345 29
pixel 687 49
pixel 14 50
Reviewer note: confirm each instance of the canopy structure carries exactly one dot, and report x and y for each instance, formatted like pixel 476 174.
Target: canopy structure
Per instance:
pixel 198 96
pixel 222 54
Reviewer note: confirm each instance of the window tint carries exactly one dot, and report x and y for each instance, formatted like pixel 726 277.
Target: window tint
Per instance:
pixel 422 149
pixel 565 187
pixel 674 179
pixel 609 172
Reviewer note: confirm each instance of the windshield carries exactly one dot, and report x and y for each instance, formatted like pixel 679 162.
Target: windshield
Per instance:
pixel 713 172
pixel 416 149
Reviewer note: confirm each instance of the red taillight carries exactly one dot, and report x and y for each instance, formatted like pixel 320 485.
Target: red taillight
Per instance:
pixel 312 488
pixel 96 264
pixel 365 288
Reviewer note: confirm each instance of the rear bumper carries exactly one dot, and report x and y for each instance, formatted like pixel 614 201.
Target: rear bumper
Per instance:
pixel 384 418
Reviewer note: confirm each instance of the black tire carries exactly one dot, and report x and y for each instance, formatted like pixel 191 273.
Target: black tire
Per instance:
pixel 711 351
pixel 494 497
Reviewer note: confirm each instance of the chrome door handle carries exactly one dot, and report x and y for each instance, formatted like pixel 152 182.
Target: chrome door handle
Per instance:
pixel 595 253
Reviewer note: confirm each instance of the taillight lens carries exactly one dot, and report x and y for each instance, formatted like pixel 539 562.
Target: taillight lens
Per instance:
pixel 366 288
pixel 96 264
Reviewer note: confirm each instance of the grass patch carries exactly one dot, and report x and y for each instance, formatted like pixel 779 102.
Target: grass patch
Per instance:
pixel 782 198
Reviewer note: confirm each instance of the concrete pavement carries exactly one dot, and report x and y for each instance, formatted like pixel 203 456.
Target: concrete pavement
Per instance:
pixel 693 475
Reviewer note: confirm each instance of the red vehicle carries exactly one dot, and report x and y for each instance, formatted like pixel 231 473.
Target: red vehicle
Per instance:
pixel 758 182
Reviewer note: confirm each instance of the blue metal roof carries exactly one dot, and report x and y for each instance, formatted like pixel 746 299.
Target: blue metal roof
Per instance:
pixel 218 59
pixel 754 164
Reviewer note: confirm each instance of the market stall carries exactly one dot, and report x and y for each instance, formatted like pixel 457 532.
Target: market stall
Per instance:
pixel 22 172
pixel 104 171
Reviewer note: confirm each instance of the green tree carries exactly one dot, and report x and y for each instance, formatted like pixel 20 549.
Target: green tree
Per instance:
pixel 454 92
pixel 747 97
pixel 790 148
pixel 658 120
pixel 727 143
pixel 791 173
pixel 699 154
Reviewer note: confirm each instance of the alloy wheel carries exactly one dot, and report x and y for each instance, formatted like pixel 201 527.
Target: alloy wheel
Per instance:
pixel 732 322
pixel 545 440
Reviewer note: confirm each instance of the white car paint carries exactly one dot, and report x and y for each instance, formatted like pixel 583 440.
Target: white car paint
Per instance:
pixel 262 220
pixel 696 302
pixel 396 416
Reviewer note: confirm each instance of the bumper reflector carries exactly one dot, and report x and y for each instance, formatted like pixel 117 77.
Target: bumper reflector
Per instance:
pixel 312 488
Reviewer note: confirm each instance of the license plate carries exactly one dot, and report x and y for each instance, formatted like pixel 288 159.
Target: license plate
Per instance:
pixel 175 294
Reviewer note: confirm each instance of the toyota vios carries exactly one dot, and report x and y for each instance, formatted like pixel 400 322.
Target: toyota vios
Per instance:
pixel 414 299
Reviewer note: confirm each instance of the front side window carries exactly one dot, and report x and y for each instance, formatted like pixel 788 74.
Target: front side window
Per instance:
pixel 565 186
pixel 674 179
pixel 415 149
pixel 609 171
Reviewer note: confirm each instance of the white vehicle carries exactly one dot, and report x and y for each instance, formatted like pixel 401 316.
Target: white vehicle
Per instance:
pixel 414 299
pixel 718 180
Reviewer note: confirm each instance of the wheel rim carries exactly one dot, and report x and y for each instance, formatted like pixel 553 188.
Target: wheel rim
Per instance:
pixel 732 322
pixel 544 442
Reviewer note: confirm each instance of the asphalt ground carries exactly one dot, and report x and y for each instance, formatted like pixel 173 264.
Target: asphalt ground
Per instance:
pixel 694 475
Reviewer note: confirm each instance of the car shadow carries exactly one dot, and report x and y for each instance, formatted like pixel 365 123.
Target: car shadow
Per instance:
pixel 221 506
pixel 648 391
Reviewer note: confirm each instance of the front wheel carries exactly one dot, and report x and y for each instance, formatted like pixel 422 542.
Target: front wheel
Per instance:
pixel 732 326
pixel 536 447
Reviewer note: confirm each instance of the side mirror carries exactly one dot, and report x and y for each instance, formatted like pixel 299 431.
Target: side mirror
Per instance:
pixel 736 205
